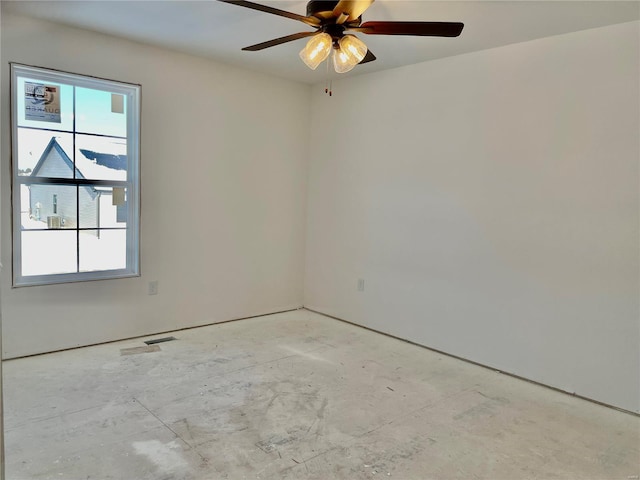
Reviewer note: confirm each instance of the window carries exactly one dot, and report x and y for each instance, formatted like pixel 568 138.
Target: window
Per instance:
pixel 75 161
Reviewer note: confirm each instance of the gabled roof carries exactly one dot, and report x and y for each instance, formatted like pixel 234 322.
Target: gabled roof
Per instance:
pixel 89 163
pixel 53 144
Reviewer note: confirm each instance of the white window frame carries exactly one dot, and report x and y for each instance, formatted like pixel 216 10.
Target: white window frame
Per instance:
pixel 132 183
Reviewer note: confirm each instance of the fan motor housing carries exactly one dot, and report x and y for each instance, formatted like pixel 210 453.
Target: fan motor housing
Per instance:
pixel 321 8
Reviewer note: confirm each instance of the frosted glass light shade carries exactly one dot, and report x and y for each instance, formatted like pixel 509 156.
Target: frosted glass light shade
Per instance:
pixel 342 63
pixel 350 52
pixel 353 47
pixel 317 49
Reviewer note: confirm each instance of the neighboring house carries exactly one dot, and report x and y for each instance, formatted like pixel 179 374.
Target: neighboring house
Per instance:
pixel 56 204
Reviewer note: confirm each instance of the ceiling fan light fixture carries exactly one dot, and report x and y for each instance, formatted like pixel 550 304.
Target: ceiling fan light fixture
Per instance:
pixel 348 53
pixel 317 50
pixel 342 62
pixel 353 47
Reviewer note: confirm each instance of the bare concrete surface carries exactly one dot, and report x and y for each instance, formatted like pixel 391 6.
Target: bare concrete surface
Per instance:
pixel 297 396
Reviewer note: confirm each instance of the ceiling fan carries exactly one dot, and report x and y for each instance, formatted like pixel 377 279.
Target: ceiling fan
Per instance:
pixel 331 19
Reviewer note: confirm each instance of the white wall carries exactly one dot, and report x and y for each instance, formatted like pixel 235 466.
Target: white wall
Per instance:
pixel 223 195
pixel 490 202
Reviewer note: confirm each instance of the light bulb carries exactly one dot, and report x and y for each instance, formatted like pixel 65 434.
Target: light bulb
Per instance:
pixel 342 62
pixel 317 49
pixel 353 47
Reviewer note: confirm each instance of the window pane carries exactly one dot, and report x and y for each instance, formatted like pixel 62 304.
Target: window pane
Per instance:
pixel 49 252
pixel 42 153
pixel 44 104
pixel 101 112
pixel 101 158
pixel 107 209
pixel 49 206
pixel 103 250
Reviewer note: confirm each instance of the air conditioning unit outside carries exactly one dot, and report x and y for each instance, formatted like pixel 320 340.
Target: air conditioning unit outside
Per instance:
pixel 54 221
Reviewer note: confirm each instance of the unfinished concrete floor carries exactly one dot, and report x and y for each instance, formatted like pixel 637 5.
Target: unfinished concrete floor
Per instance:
pixel 297 396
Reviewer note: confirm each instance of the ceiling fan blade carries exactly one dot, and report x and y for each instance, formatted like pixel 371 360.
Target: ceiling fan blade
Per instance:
pixel 353 8
pixel 427 29
pixel 369 57
pixel 314 22
pixel 278 41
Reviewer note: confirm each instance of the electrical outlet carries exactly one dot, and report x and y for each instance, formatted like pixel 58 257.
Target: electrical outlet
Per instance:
pixel 361 284
pixel 153 287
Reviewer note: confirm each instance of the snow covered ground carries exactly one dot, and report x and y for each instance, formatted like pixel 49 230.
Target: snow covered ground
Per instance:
pixel 56 251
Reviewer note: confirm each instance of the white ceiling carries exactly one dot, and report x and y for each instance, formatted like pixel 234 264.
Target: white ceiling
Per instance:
pixel 219 31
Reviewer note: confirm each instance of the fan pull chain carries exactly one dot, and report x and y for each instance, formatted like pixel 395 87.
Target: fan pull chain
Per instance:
pixel 328 83
pixel 328 87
